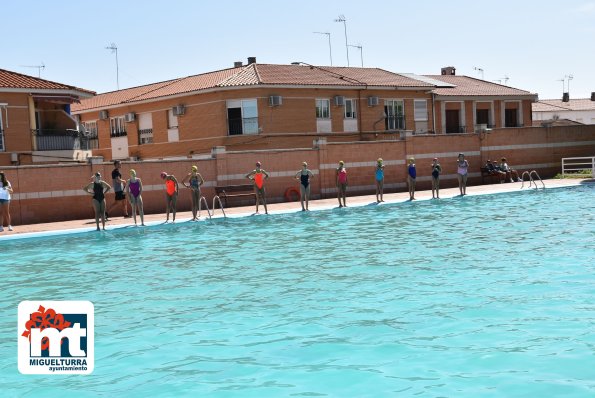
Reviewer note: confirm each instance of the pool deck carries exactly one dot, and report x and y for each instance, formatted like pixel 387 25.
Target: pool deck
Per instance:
pixel 321 204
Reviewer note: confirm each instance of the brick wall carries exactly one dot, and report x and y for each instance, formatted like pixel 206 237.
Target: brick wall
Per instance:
pixel 54 192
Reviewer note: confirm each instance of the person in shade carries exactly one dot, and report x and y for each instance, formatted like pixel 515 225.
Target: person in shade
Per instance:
pixel 462 171
pixel 258 175
pixel 5 192
pixel 511 174
pixel 411 177
pixel 98 188
pixel 436 171
pixel 341 178
pixel 304 176
pixel 118 184
pixel 171 195
pixel 193 181
pixel 134 189
pixel 379 174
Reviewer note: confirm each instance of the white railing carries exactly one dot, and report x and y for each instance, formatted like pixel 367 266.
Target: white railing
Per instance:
pixel 575 165
pixel 216 199
pixel 200 202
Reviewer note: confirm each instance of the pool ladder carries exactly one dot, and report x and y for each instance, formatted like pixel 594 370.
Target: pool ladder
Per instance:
pixel 204 200
pixel 531 179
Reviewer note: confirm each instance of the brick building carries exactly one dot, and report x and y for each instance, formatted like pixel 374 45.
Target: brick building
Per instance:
pixel 264 106
pixel 35 121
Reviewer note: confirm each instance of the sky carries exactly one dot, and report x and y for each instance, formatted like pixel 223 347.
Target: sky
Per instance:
pixel 533 43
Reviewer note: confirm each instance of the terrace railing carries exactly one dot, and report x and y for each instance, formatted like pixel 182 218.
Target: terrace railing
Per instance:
pixel 62 139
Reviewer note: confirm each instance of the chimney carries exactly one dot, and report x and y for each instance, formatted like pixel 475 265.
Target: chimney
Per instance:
pixel 251 60
pixel 566 97
pixel 593 96
pixel 237 64
pixel 448 70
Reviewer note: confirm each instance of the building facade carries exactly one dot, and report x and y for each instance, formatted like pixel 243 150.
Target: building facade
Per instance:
pixel 580 110
pixel 266 106
pixel 35 121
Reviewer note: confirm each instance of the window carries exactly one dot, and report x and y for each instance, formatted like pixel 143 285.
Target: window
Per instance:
pixel 242 117
pixel 1 130
pixel 172 120
pixel 90 128
pixel 420 110
pixel 350 109
pixel 145 128
pixel 90 140
pixel 395 115
pixel 117 126
pixel 323 107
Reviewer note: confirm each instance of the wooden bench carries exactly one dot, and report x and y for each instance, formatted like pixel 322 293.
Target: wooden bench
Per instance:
pixel 492 175
pixel 235 191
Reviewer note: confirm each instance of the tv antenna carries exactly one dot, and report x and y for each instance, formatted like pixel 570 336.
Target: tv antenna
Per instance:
pixel 361 52
pixel 330 51
pixel 114 49
pixel 480 70
pixel 39 68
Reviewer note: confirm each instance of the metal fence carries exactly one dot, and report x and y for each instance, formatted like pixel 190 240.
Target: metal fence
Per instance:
pixel 60 140
pixel 577 165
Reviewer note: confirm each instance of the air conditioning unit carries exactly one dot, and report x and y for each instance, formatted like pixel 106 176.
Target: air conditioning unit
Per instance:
pixel 339 100
pixel 103 115
pixel 129 117
pixel 178 110
pixel 275 100
pixel 481 128
pixel 372 101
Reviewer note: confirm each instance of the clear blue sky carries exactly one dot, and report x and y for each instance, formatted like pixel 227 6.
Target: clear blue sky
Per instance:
pixel 534 43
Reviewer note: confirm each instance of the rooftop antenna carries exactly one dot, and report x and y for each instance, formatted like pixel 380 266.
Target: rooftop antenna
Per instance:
pixel 330 51
pixel 568 78
pixel 114 49
pixel 39 68
pixel 480 70
pixel 563 86
pixel 342 19
pixel 361 52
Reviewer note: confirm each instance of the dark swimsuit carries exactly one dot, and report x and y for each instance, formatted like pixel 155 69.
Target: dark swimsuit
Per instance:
pixel 98 194
pixel 305 180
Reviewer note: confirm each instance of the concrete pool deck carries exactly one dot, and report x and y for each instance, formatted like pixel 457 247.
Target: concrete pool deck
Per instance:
pixel 61 227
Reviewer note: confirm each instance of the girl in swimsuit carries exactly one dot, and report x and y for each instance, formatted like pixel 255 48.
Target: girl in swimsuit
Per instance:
pixel 134 188
pixel 98 188
pixel 171 194
pixel 462 170
pixel 436 170
pixel 193 181
pixel 379 180
pixel 5 192
pixel 258 176
pixel 304 176
pixel 411 176
pixel 341 176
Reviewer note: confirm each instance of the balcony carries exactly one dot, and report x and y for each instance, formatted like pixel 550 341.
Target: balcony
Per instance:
pixel 456 129
pixel 394 122
pixel 62 140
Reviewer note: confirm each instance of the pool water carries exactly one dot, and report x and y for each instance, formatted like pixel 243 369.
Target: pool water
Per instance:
pixel 490 296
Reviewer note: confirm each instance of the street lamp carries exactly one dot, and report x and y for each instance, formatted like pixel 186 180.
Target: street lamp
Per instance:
pixel 342 19
pixel 330 51
pixel 361 52
pixel 114 49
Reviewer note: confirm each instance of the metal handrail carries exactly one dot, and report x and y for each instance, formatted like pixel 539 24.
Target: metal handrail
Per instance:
pixel 540 180
pixel 203 199
pixel 575 164
pixel 216 197
pixel 531 180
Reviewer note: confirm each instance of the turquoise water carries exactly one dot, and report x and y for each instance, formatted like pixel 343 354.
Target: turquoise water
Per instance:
pixel 490 296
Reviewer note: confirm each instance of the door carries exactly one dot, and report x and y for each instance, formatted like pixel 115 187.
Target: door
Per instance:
pixel 510 118
pixel 452 122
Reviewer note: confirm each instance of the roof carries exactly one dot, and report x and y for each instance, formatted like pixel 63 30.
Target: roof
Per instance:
pixel 469 86
pixel 256 75
pixel 13 80
pixel 556 105
pixel 556 123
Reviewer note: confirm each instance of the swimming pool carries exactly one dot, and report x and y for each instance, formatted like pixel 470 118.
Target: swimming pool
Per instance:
pixel 475 296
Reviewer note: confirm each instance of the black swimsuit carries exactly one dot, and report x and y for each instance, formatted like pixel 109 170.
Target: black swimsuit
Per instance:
pixel 98 194
pixel 305 179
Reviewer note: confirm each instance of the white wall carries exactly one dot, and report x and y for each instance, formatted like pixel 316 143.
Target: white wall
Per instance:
pixel 585 117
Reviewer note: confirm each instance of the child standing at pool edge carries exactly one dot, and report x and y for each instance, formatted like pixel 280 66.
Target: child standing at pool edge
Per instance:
pixel 436 170
pixel 258 176
pixel 193 181
pixel 411 176
pixel 341 176
pixel 379 180
pixel 171 194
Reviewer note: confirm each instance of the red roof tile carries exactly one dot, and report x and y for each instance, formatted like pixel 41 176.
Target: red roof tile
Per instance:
pixel 9 79
pixel 556 105
pixel 254 75
pixel 469 86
